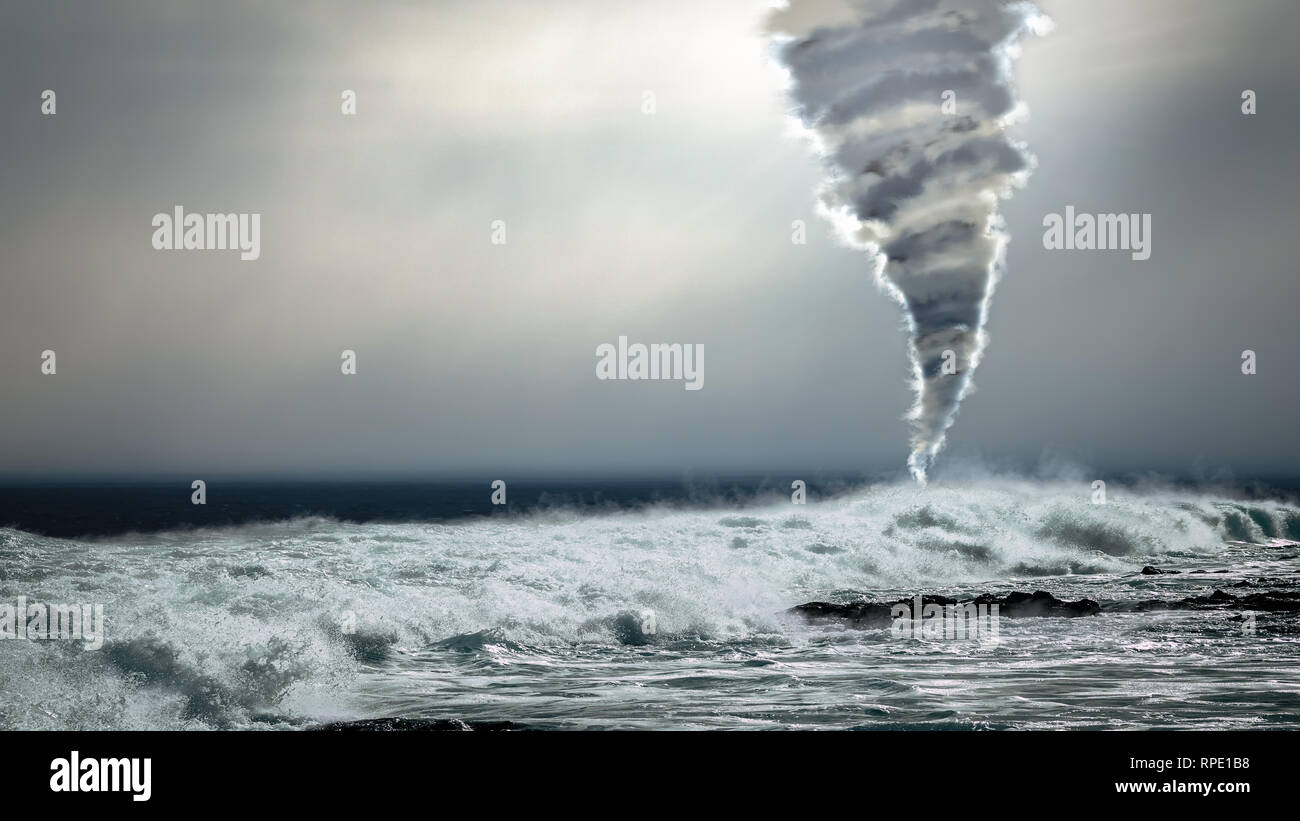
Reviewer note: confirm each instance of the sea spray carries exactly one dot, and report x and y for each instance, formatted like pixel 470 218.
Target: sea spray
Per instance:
pixel 280 623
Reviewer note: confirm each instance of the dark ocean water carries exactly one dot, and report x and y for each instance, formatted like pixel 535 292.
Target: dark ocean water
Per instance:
pixel 101 509
pixel 648 605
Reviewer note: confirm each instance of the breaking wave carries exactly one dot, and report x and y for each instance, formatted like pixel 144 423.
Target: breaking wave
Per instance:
pixel 268 624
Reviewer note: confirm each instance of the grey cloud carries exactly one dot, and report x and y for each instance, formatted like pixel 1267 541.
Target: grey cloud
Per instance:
pixel 667 228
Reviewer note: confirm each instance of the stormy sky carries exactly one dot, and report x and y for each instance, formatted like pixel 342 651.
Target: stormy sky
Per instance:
pixel 666 227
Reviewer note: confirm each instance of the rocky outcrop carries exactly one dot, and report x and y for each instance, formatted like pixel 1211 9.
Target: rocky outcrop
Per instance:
pixel 1272 601
pixel 870 615
pixel 1039 603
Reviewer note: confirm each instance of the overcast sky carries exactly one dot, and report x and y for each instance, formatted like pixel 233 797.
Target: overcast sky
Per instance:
pixel 670 227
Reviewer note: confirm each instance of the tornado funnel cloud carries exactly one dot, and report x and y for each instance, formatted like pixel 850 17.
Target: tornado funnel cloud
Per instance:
pixel 908 102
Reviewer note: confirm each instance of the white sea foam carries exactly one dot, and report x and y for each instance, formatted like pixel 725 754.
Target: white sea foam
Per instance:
pixel 215 627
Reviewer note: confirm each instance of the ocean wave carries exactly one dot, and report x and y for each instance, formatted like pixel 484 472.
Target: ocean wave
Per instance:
pixel 257 624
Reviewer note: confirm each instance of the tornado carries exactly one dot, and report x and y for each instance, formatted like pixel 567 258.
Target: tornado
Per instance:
pixel 908 103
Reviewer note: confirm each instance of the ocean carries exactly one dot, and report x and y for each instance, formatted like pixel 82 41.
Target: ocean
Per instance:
pixel 650 605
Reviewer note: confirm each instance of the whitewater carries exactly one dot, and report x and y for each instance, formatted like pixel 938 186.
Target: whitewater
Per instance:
pixel 674 616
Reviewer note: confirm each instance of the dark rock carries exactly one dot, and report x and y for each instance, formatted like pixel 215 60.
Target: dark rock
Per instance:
pixel 1266 582
pixel 1039 603
pixel 1273 601
pixel 862 615
pixel 1155 571
pixel 868 615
